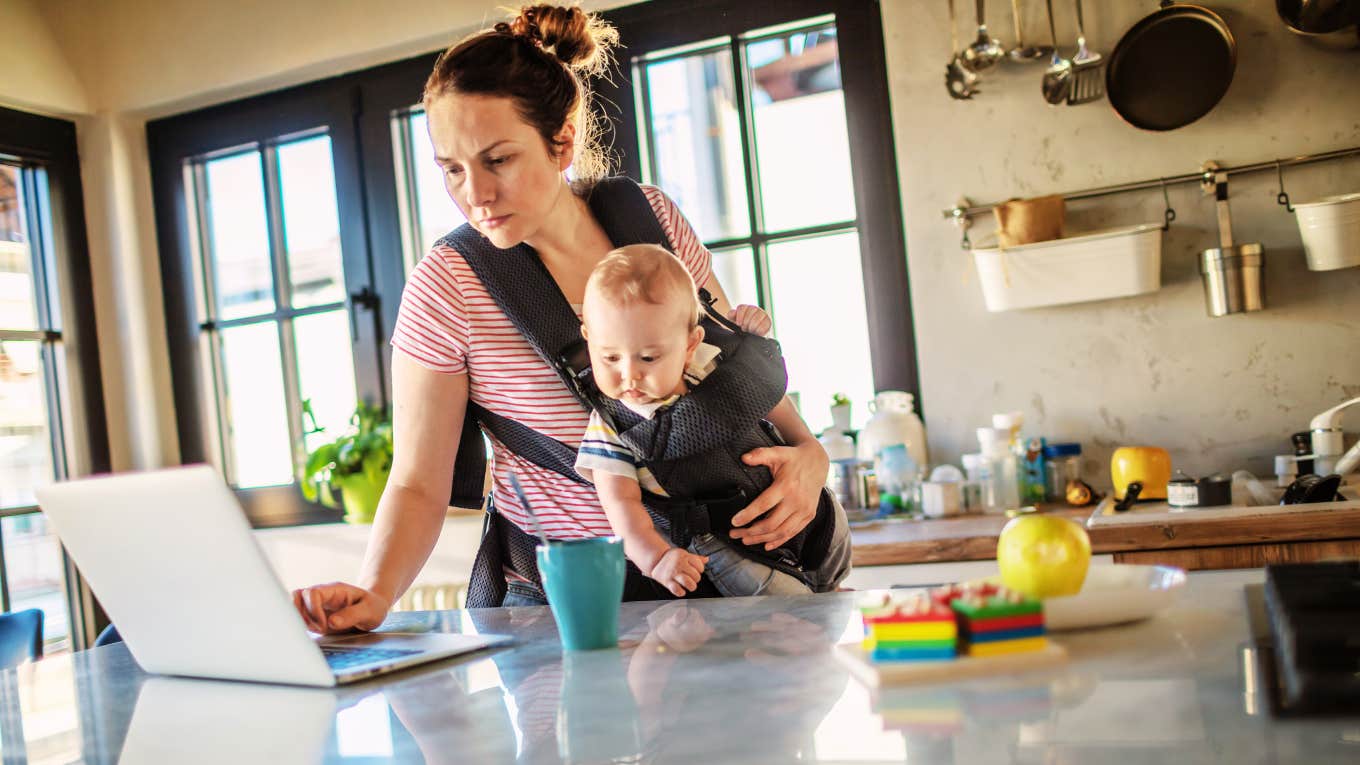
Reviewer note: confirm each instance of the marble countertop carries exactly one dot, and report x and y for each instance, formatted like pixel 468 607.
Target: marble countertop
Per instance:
pixel 748 680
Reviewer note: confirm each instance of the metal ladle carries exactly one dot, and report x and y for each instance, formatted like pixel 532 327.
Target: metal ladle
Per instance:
pixel 986 50
pixel 1022 53
pixel 961 83
pixel 1058 76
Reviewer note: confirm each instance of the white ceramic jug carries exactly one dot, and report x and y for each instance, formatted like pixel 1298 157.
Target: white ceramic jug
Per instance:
pixel 894 422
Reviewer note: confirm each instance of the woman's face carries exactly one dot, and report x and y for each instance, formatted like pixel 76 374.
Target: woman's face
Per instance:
pixel 496 166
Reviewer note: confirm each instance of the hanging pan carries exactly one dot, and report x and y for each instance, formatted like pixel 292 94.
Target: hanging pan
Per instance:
pixel 1171 68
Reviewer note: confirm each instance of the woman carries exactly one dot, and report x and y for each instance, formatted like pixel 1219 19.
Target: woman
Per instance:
pixel 508 113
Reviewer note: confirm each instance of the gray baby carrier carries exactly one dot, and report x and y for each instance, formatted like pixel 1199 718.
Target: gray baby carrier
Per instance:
pixel 693 446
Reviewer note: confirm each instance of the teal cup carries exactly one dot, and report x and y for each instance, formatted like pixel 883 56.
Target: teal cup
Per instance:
pixel 583 579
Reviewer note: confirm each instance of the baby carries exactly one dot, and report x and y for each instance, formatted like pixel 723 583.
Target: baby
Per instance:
pixel 641 320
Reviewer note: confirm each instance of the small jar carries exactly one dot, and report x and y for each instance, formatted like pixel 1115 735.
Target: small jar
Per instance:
pixel 1062 464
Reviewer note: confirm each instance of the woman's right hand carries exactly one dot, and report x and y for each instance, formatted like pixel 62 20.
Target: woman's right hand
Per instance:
pixel 340 607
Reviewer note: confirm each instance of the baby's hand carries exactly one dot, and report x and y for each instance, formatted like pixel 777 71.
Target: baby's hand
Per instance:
pixel 751 319
pixel 679 570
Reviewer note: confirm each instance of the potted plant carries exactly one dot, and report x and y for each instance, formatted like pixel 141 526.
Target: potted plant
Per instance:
pixel 356 464
pixel 840 413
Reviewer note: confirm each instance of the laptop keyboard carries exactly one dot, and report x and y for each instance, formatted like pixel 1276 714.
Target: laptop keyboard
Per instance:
pixel 341 658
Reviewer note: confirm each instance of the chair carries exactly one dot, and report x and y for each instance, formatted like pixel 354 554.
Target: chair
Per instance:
pixel 108 636
pixel 21 637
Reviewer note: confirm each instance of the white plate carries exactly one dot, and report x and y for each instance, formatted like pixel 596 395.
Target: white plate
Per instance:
pixel 1115 594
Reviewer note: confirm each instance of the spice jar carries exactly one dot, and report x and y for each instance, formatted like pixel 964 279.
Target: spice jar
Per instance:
pixel 1062 463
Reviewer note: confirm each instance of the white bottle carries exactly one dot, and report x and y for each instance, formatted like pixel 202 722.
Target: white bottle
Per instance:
pixel 1003 472
pixel 894 422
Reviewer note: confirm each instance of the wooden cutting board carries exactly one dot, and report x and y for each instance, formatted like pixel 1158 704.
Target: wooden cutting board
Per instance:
pixel 876 674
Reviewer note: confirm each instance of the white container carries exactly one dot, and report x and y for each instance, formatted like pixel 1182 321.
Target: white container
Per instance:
pixel 894 422
pixel 1331 232
pixel 1101 265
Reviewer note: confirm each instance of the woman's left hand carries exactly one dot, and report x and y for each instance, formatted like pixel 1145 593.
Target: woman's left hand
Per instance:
pixel 790 503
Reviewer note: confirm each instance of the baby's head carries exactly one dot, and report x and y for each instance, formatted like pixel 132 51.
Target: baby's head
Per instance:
pixel 641 319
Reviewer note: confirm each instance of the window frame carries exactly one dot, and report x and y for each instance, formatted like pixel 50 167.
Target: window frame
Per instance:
pixel 259 121
pixel 63 281
pixel 666 24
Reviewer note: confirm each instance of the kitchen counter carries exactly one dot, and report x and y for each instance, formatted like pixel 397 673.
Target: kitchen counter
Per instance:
pixel 1194 539
pixel 745 680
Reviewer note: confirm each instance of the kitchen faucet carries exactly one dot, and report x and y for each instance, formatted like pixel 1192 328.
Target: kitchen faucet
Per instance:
pixel 1328 442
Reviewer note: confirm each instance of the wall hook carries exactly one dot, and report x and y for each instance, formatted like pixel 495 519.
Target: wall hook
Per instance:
pixel 1170 213
pixel 1282 197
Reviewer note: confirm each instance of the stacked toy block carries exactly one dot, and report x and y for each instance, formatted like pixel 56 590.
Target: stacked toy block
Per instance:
pixel 993 621
pixel 910 628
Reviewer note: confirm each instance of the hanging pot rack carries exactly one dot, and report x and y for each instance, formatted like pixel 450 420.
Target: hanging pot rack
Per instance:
pixel 962 214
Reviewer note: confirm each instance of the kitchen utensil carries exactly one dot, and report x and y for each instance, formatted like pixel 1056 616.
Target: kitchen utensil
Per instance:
pixel 1232 274
pixel 1057 81
pixel 1330 229
pixel 1328 23
pixel 1171 68
pixel 961 83
pixel 1022 53
pixel 986 50
pixel 1149 465
pixel 1088 81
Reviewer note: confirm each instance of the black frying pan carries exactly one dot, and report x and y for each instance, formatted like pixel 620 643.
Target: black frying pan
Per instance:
pixel 1171 68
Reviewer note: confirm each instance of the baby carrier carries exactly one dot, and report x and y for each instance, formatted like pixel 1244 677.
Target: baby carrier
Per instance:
pixel 692 446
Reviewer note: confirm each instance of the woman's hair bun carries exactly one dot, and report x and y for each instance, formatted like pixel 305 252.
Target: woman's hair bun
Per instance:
pixel 580 40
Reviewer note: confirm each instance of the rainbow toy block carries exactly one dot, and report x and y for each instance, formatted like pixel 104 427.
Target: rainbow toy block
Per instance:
pixel 911 628
pixel 999 622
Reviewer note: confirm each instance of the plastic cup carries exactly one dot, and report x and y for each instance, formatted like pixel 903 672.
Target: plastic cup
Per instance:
pixel 583 579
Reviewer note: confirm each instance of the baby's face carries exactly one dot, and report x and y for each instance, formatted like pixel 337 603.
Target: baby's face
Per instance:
pixel 638 352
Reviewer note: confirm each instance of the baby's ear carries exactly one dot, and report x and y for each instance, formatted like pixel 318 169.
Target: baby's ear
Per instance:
pixel 585 333
pixel 696 336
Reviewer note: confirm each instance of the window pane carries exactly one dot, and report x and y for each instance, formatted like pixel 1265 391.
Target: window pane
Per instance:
pixel 311 224
pixel 695 140
pixel 33 569
pixel 826 349
pixel 326 371
pixel 239 259
pixel 735 270
pixel 256 417
pixel 18 309
pixel 25 443
pixel 435 213
pixel 800 134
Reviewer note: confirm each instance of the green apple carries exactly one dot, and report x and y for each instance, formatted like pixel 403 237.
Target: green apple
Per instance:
pixel 1043 556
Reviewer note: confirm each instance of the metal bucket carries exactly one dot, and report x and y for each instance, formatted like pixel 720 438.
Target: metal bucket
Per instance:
pixel 1233 280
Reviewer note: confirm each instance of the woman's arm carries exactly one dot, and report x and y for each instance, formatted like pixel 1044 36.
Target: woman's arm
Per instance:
pixel 427 418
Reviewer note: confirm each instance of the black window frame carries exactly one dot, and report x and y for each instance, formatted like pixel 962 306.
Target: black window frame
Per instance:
pixel 268 119
pixel 666 24
pixel 63 246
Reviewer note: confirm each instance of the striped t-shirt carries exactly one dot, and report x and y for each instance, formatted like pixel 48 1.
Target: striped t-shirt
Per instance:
pixel 449 323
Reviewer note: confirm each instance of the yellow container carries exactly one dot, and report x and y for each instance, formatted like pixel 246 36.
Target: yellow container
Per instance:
pixel 1150 465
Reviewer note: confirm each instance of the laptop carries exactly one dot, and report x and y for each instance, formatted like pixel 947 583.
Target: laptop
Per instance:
pixel 171 557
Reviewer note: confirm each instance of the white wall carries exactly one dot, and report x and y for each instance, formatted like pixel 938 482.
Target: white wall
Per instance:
pixel 1219 393
pixel 35 73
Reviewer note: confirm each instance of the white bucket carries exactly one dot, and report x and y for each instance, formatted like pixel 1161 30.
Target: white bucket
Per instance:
pixel 1331 232
pixel 1096 266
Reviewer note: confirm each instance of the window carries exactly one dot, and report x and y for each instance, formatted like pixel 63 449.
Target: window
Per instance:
pixel 768 134
pixel 269 293
pixel 51 407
